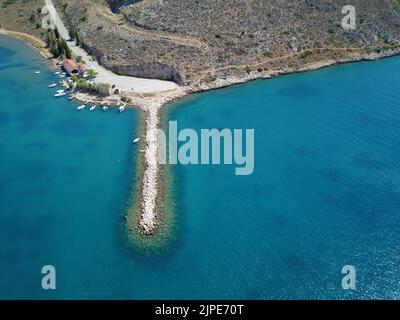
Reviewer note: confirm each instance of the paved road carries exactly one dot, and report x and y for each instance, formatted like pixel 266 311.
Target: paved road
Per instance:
pixel 139 85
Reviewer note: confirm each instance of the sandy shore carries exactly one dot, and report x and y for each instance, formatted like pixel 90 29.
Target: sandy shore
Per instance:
pixel 33 41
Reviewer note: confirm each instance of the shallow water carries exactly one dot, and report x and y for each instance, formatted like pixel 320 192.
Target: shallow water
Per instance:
pixel 325 192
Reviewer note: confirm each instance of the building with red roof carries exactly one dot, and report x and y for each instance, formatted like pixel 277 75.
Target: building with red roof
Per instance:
pixel 70 67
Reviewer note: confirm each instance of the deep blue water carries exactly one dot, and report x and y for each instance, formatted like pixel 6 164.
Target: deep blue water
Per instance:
pixel 325 192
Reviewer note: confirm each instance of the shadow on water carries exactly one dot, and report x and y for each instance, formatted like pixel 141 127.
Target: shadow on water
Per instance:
pixel 332 175
pixel 73 126
pixel 370 161
pixel 31 118
pixel 280 221
pixel 37 145
pixel 33 170
pixel 4 118
pixel 298 91
pixel 12 66
pixel 6 55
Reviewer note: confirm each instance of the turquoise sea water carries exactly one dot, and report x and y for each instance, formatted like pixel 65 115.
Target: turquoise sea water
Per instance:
pixel 325 192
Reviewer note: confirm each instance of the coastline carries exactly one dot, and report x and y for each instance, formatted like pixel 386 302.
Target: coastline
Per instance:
pixel 150 188
pixel 34 42
pixel 312 66
pixel 152 182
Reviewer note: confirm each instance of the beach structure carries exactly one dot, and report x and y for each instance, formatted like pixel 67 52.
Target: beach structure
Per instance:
pixel 83 68
pixel 70 67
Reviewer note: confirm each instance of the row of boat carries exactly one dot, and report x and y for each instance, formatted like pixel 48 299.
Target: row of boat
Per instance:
pixel 61 75
pixel 63 92
pixel 105 108
pixel 92 108
pixel 60 93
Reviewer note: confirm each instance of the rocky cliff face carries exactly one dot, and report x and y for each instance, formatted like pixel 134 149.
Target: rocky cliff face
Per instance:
pixel 193 41
pixel 116 5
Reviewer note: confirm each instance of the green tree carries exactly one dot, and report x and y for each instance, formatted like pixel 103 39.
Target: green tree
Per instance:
pixel 60 48
pixel 66 49
pixel 77 39
pixel 91 73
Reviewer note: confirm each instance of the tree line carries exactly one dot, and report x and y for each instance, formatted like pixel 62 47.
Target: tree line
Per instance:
pixel 57 45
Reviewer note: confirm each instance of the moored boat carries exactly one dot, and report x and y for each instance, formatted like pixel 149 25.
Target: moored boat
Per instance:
pixel 81 107
pixel 60 93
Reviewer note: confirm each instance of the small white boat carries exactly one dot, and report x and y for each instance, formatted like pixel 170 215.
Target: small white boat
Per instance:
pixel 71 98
pixel 37 72
pixel 57 73
pixel 60 93
pixel 122 108
pixel 105 108
pixel 93 108
pixel 81 107
pixel 136 140
pixel 52 85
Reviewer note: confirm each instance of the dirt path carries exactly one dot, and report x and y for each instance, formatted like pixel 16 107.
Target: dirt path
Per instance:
pixel 176 38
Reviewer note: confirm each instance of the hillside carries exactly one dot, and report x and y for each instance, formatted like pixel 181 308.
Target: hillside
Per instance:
pixel 22 16
pixel 193 42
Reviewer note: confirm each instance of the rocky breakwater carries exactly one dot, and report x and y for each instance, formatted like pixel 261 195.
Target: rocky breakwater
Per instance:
pixel 148 221
pixel 151 185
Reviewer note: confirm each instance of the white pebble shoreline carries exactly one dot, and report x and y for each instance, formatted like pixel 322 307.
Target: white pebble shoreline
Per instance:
pixel 150 188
